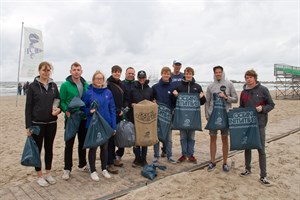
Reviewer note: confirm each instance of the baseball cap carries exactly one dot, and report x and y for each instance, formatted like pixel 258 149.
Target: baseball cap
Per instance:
pixel 177 62
pixel 141 74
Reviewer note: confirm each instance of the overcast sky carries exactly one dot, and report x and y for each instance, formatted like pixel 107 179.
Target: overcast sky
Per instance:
pixel 239 35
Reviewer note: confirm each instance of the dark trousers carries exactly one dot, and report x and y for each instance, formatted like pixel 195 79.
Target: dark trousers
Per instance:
pixel 140 153
pixel 81 152
pixel 103 157
pixel 111 151
pixel 47 135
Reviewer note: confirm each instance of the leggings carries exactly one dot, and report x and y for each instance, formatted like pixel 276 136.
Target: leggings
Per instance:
pixel 103 157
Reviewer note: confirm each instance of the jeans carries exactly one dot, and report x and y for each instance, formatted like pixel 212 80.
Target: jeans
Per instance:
pixel 187 141
pixel 167 144
pixel 81 152
pixel 261 155
pixel 140 152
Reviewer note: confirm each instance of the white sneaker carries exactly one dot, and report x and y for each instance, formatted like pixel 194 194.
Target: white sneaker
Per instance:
pixel 66 174
pixel 95 176
pixel 50 179
pixel 86 168
pixel 42 182
pixel 106 174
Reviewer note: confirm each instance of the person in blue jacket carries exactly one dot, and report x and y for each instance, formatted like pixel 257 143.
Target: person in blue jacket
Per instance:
pixel 99 92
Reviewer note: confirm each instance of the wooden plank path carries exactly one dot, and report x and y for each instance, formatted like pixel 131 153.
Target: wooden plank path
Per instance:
pixel 80 185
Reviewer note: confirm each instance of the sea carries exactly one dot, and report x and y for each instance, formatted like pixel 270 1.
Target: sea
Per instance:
pixel 10 88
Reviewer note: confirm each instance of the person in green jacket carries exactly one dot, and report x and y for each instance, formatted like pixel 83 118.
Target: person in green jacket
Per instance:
pixel 74 85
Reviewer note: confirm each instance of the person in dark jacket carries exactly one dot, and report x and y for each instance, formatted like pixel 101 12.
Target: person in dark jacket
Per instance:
pixel 257 96
pixel 39 111
pixel 115 85
pixel 74 86
pixel 162 92
pixel 128 83
pixel 140 92
pixel 187 137
pixel 98 92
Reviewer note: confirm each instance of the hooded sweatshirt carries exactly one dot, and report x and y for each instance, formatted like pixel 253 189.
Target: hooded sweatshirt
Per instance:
pixel 215 88
pixel 258 96
pixel 39 102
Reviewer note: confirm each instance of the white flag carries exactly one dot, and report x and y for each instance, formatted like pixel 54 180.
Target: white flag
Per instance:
pixel 33 52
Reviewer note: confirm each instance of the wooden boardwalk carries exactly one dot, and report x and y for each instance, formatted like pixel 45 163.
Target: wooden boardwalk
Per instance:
pixel 80 185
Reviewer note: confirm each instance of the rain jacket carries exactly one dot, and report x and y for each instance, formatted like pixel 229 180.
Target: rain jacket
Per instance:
pixel 106 104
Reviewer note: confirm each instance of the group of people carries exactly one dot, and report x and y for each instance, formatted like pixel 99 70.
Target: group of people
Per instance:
pixel 114 96
pixel 25 87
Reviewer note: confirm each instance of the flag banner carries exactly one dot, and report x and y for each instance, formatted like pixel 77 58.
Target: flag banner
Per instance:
pixel 33 52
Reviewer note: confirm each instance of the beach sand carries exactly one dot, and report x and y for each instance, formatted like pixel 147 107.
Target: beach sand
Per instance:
pixel 176 182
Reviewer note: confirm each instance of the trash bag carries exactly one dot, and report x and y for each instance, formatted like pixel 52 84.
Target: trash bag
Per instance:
pixel 31 153
pixel 187 115
pixel 149 171
pixel 218 119
pixel 145 123
pixel 75 103
pixel 163 122
pixel 244 130
pixel 72 125
pixel 99 131
pixel 125 136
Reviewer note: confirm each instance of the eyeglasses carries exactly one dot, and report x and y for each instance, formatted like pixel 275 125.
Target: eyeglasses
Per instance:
pixel 98 79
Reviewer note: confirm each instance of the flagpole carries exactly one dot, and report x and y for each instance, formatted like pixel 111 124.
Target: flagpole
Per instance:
pixel 20 52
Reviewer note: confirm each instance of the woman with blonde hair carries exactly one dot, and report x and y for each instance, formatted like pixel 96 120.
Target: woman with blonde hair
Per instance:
pixel 99 92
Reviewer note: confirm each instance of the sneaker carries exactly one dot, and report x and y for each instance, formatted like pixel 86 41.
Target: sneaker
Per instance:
pixel 95 176
pixel 135 163
pixel 264 181
pixel 112 169
pixel 42 182
pixel 225 168
pixel 105 173
pixel 155 160
pixel 85 168
pixel 50 179
pixel 118 163
pixel 211 166
pixel 66 174
pixel 246 173
pixel 193 159
pixel 181 159
pixel 170 160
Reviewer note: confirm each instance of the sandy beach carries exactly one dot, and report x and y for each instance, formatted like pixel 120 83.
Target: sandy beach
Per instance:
pixel 283 164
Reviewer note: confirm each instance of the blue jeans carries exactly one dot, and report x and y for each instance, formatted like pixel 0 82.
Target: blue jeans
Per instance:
pixel 167 144
pixel 187 141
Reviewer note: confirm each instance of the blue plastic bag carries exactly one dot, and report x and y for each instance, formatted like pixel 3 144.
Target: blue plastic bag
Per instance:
pixel 72 125
pixel 31 153
pixel 98 133
pixel 163 122
pixel 218 119
pixel 244 130
pixel 149 171
pixel 187 115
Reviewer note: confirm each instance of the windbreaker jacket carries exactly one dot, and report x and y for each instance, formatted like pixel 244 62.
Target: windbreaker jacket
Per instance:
pixel 258 96
pixel 162 93
pixel 215 88
pixel 191 87
pixel 68 90
pixel 39 103
pixel 106 104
